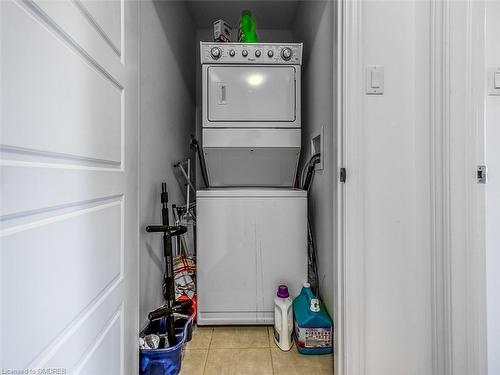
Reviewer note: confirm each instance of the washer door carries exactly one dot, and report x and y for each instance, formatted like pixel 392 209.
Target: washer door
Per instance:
pixel 251 94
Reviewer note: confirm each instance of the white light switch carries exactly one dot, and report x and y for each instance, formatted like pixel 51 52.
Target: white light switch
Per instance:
pixel 374 79
pixel 494 80
pixel 497 80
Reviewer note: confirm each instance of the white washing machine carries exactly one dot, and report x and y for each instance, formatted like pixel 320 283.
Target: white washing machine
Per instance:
pixel 249 242
pixel 251 113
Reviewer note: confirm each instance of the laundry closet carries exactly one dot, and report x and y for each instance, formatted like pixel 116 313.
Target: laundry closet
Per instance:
pixel 254 145
pixel 259 112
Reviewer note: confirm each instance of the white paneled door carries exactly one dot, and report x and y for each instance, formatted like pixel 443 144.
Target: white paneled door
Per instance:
pixel 69 125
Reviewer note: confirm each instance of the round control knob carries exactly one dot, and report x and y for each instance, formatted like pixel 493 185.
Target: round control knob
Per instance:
pixel 270 53
pixel 244 53
pixel 257 53
pixel 286 53
pixel 232 53
pixel 216 52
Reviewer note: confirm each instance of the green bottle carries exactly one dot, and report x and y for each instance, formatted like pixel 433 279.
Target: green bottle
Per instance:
pixel 248 32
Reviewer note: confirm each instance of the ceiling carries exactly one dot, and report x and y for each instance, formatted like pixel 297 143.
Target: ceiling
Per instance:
pixel 270 14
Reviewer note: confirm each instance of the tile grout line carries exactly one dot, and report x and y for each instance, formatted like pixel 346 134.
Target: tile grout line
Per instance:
pixel 211 338
pixel 208 351
pixel 237 347
pixel 272 363
pixel 270 351
pixel 205 363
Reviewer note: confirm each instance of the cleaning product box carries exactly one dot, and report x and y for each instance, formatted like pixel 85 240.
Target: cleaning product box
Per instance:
pixel 222 31
pixel 313 326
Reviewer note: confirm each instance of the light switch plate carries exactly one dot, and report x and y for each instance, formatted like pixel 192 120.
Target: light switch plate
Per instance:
pixel 493 84
pixel 375 80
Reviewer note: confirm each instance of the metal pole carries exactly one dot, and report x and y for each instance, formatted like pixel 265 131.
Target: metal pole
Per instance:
pixel 169 294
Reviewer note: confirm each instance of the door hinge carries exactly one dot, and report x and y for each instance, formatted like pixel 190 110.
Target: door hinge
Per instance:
pixel 482 174
pixel 342 175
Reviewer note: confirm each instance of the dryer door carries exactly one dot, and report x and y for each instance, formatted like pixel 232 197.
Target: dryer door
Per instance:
pixel 239 94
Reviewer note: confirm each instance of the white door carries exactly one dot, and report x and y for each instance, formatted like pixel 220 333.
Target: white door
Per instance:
pixel 68 258
pixel 239 94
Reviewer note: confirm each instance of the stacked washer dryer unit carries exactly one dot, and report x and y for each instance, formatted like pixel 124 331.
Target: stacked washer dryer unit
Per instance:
pixel 252 224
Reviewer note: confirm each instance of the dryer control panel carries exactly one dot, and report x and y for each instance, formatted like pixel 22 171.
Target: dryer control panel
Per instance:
pixel 251 53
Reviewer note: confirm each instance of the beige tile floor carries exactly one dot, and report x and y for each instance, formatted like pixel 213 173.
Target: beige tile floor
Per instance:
pixel 248 350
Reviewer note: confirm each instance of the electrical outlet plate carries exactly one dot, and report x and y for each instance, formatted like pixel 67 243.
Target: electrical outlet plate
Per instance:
pixel 317 146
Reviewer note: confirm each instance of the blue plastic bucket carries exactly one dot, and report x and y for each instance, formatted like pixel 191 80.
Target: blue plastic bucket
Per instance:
pixel 165 361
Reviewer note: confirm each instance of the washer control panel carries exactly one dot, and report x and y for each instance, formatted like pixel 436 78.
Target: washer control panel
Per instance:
pixel 251 53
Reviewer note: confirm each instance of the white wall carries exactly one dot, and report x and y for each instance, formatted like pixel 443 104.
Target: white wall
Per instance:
pixel 167 118
pixel 314 26
pixel 396 189
pixel 493 193
pixel 387 198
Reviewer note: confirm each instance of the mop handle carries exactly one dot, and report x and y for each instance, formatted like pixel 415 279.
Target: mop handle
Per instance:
pixel 189 181
pixel 170 230
pixel 165 310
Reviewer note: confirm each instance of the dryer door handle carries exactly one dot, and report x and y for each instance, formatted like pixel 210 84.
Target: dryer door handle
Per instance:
pixel 222 93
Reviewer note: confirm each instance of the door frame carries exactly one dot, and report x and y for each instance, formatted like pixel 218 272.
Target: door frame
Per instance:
pixel 458 201
pixel 349 280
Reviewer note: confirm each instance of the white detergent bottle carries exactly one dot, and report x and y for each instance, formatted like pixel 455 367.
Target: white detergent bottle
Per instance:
pixel 283 319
